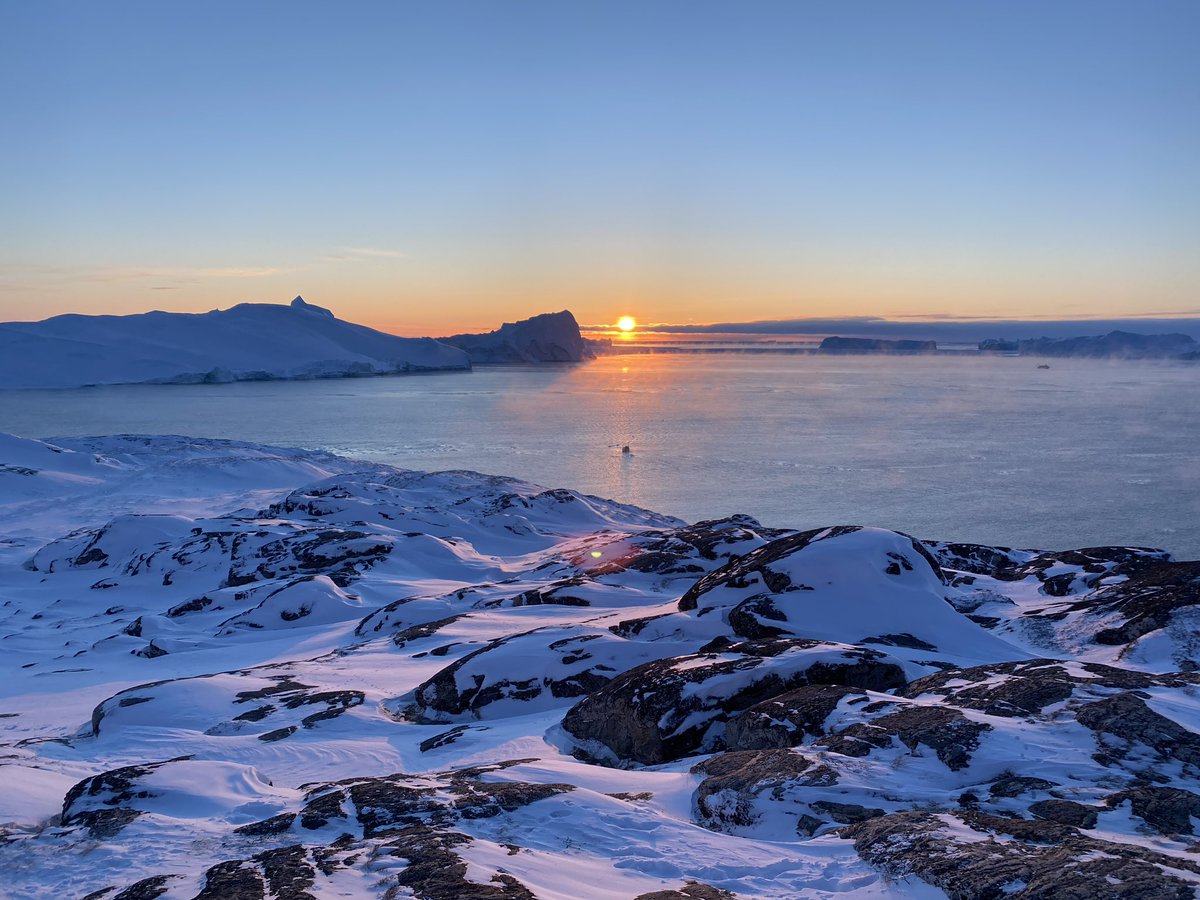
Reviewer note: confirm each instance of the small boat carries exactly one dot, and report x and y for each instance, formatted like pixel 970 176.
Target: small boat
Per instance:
pixel 1043 366
pixel 626 451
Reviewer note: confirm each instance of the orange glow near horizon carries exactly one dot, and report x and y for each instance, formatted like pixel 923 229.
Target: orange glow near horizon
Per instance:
pixel 627 323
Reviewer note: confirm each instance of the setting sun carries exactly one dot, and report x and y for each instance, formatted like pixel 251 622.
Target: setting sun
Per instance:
pixel 627 323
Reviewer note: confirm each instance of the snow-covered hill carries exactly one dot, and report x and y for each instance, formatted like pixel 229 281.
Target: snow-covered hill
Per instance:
pixel 237 671
pixel 247 342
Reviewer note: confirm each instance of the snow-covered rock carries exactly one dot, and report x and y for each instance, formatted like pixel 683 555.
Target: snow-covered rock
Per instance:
pixel 233 670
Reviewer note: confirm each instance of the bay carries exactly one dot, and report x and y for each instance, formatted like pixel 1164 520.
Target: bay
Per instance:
pixel 985 449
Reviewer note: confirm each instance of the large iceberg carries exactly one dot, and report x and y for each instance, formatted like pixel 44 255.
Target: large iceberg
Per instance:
pixel 250 341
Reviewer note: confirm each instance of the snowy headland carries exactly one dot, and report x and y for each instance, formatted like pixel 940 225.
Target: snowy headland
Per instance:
pixel 232 670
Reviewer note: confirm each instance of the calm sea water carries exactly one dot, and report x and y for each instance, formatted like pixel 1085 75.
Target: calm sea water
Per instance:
pixel 993 450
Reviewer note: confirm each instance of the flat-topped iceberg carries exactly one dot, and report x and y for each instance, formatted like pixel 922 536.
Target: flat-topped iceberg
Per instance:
pixel 248 342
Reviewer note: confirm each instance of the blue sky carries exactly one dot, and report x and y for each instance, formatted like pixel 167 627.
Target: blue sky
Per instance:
pixel 436 166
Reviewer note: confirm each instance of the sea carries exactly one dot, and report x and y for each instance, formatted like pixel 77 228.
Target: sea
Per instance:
pixel 994 450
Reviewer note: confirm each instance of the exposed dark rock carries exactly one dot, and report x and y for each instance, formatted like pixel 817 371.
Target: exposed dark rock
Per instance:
pixel 1016 785
pixel 340 554
pixel 946 731
pixel 319 810
pixel 733 782
pixel 655 713
pixel 195 605
pixel 1126 717
pixel 1005 564
pixel 693 890
pixel 750 618
pixel 564 662
pixel 738 572
pixel 785 720
pixel 698 548
pixel 278 734
pixel 1167 810
pixel 558 593
pixel 233 880
pixel 1068 812
pixel 484 799
pixel 1046 860
pixel 900 640
pixel 387 803
pixel 444 739
pixel 631 628
pixel 1147 599
pixel 1023 689
pixel 147 888
pixel 274 825
pixel 150 651
pixel 104 823
pixel 101 802
pixel 846 813
pixel 436 872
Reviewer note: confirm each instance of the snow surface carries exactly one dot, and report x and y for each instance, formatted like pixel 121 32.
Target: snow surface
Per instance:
pixel 252 625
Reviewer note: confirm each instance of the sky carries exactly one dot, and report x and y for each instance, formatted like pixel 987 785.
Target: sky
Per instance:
pixel 434 168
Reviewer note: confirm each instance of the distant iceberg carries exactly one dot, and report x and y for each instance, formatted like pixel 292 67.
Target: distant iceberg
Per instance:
pixel 250 341
pixel 550 337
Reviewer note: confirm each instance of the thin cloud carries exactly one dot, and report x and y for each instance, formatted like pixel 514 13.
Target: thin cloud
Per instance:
pixel 24 277
pixel 360 254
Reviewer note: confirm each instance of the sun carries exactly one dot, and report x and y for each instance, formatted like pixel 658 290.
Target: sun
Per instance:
pixel 627 323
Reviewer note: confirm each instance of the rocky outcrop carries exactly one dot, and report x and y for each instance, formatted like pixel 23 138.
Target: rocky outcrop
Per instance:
pixel 732 784
pixel 998 857
pixel 995 721
pixel 526 673
pixel 671 708
pixel 786 720
pixel 259 702
pixel 950 734
pixel 1168 810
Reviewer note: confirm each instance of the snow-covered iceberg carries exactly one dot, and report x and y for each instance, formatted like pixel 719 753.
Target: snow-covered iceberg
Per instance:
pixel 548 338
pixel 250 341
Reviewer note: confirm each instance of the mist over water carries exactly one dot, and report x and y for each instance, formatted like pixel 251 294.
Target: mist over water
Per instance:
pixel 992 450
